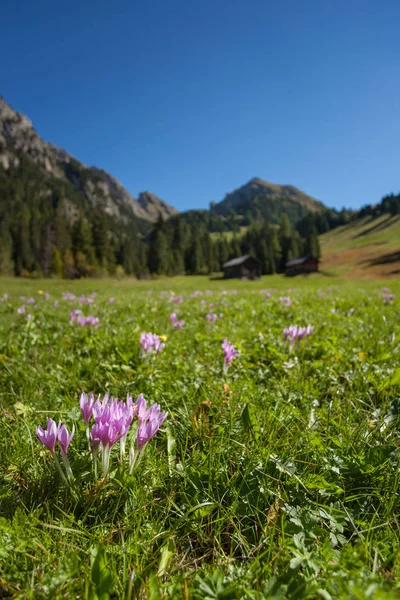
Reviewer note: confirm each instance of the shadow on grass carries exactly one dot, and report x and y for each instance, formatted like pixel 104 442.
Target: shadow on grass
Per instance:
pixel 385 259
pixel 378 226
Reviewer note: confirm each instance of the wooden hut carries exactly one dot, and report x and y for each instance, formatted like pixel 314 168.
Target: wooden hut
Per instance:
pixel 244 267
pixel 301 266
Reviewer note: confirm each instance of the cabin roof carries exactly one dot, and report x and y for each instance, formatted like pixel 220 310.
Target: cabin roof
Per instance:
pixel 298 261
pixel 238 261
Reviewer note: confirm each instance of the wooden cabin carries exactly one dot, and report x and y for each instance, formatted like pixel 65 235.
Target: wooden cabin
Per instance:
pixel 244 267
pixel 301 266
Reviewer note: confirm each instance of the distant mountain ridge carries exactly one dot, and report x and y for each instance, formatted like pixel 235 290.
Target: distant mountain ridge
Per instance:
pixel 18 137
pixel 257 187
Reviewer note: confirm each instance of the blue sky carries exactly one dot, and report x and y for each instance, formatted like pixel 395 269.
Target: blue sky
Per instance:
pixel 191 99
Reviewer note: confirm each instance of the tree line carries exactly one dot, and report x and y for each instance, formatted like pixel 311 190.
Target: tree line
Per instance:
pixel 49 228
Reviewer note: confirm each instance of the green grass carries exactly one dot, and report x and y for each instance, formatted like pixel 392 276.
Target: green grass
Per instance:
pixel 279 479
pixel 383 230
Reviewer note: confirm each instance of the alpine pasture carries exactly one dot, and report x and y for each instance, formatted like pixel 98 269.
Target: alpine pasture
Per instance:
pixel 264 463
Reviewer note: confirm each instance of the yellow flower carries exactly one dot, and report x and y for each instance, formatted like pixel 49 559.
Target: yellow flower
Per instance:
pixel 163 338
pixel 40 292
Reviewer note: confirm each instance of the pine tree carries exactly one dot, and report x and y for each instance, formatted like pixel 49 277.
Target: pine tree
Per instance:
pixel 56 263
pixel 100 238
pixel 158 253
pixel 82 240
pixel 69 265
pixel 6 260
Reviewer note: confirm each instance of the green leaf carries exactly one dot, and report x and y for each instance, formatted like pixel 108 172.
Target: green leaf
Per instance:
pixel 101 575
pixel 250 421
pixel 167 552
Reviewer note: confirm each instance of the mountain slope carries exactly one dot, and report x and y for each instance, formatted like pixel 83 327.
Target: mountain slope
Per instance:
pixel 19 138
pixel 366 247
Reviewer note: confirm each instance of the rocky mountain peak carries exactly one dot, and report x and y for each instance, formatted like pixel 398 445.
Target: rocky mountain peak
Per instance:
pixel 17 136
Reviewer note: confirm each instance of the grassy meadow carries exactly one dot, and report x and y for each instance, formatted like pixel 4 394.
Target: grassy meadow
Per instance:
pixel 363 249
pixel 276 477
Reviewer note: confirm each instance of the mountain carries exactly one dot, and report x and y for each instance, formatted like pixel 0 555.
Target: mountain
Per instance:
pixel 153 206
pixel 18 139
pixel 265 194
pixel 256 201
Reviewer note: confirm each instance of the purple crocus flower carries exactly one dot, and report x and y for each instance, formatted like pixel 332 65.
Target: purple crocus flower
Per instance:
pixel 230 353
pixel 55 303
pixel 286 301
pixel 64 437
pixel 86 404
pixel 74 315
pixel 93 321
pixel 30 301
pixel 388 298
pixel 48 436
pixel 113 419
pixel 149 423
pixel 211 317
pixel 21 310
pixel 177 299
pixel 178 324
pixel 47 296
pixel 111 300
pixel 150 342
pixel 293 333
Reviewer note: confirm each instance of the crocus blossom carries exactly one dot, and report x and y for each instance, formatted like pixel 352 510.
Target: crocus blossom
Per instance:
pixel 64 438
pixel 21 310
pixel 177 323
pixel 211 317
pixel 86 405
pixel 149 423
pixel 388 298
pixel 293 333
pixel 150 342
pixel 76 316
pixel 230 353
pixel 48 436
pixel 285 300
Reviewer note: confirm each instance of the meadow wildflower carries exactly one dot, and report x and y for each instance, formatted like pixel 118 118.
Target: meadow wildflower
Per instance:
pixel 48 436
pixel 294 333
pixel 150 342
pixel 230 353
pixel 285 301
pixel 388 298
pixel 177 323
pixel 64 439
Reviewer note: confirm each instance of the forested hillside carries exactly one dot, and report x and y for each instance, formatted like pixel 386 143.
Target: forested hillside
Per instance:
pixel 59 217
